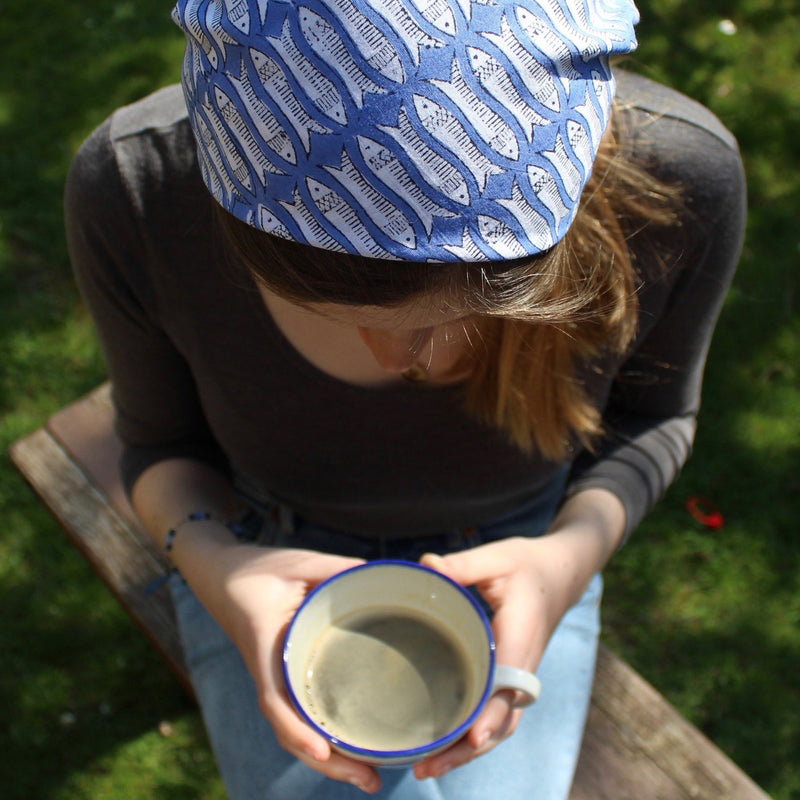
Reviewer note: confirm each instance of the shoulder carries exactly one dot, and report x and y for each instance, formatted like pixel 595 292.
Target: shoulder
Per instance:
pixel 646 98
pixel 136 210
pixel 136 152
pixel 680 140
pixel 160 111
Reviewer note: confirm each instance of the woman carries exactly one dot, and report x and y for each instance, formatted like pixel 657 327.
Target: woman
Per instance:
pixel 391 283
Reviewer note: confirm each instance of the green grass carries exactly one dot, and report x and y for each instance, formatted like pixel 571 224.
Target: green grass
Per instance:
pixel 712 618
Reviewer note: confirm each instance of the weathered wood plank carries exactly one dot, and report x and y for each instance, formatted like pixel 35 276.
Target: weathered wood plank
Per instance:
pixel 633 732
pixel 121 555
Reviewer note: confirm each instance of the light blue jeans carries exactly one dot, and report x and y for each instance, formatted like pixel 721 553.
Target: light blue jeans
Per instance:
pixel 536 763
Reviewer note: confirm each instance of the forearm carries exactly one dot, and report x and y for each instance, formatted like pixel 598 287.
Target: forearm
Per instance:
pixel 167 493
pixel 584 535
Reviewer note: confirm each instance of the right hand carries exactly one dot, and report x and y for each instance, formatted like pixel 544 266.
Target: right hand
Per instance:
pixel 253 592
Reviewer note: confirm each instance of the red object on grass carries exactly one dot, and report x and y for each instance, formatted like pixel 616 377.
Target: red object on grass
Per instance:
pixel 705 512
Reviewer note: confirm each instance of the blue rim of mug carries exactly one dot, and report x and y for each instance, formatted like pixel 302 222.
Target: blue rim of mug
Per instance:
pixel 409 754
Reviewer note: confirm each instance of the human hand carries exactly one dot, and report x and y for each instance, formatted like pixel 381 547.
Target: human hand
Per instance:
pixel 529 584
pixel 258 591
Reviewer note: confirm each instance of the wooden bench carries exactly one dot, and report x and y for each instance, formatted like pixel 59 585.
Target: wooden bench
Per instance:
pixel 636 747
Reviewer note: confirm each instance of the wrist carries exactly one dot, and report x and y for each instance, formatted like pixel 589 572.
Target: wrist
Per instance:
pixel 598 517
pixel 584 535
pixel 201 537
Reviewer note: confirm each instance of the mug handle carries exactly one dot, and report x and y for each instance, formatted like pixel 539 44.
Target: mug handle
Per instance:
pixel 524 683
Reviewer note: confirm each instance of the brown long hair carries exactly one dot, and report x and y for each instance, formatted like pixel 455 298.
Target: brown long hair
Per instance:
pixel 537 319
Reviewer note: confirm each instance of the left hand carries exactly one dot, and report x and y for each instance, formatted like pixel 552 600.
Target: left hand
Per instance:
pixel 529 584
pixel 526 605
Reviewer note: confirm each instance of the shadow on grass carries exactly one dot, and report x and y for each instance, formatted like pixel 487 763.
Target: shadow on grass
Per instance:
pixel 79 682
pixel 79 64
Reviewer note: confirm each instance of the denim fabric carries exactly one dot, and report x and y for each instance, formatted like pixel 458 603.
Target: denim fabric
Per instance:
pixel 536 763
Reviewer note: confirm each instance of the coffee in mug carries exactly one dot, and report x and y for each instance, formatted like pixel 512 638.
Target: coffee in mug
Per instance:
pixel 388 679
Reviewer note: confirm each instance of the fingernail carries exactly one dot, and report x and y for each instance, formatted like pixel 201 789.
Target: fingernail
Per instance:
pixel 312 753
pixel 358 783
pixel 482 739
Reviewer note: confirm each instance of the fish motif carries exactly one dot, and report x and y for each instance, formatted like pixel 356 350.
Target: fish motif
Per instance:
pixel 387 168
pixel 546 189
pixel 570 174
pixel 276 84
pixel 191 21
pixel 435 170
pixel 439 14
pixel 609 22
pixel 383 213
pixel 313 232
pixel 494 78
pixel 244 135
pixel 604 86
pixel 211 176
pixel 213 21
pixel 330 47
pixel 266 123
pixel 237 11
pixel 588 111
pixel 581 144
pixel 266 221
pixel 373 45
pixel 536 227
pixel 550 44
pixel 228 148
pixel 191 65
pixel 324 95
pixel 467 250
pixel 500 237
pixel 537 79
pixel 445 128
pixel 345 219
pixel 590 46
pixel 413 37
pixel 263 7
pixel 488 124
pixel 216 157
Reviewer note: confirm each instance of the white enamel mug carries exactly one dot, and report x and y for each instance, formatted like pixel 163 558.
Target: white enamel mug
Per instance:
pixel 400 587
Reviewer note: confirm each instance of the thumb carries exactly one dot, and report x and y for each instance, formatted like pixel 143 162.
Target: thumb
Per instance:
pixel 468 567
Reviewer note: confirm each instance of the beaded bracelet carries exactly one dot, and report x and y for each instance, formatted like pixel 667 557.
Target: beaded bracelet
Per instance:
pixel 195 516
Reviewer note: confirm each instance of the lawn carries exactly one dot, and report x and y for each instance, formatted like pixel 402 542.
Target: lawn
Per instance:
pixel 711 617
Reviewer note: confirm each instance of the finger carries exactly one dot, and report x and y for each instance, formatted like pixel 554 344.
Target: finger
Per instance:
pixel 498 720
pixel 313 567
pixel 292 732
pixel 347 770
pixel 502 721
pixel 520 629
pixel 470 567
pixel 311 748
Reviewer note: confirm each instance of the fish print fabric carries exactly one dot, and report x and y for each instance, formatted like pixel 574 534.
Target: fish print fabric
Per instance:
pixel 438 130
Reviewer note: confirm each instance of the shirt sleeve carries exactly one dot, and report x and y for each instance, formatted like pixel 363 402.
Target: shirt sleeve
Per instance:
pixel 158 415
pixel 650 417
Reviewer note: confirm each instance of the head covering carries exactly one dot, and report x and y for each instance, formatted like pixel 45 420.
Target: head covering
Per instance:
pixel 441 130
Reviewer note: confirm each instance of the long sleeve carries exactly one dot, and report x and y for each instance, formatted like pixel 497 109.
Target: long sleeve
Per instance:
pixel 157 410
pixel 653 403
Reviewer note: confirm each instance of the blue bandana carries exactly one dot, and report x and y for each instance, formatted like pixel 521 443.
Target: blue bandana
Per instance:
pixel 424 130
